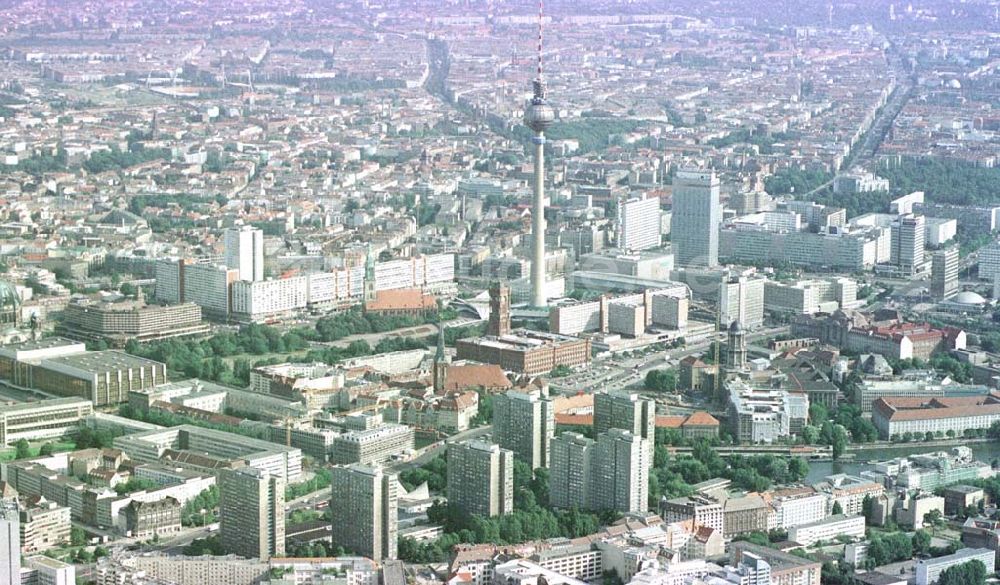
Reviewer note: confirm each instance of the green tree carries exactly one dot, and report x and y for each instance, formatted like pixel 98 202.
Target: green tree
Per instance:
pixel 661 380
pixel 921 541
pixel 934 518
pixel 970 573
pixel 837 509
pixel 22 450
pixel 77 537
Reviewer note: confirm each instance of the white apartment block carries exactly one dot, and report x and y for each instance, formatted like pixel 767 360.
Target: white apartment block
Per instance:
pixel 331 287
pixel 906 203
pixel 828 529
pixel 805 297
pixel 206 285
pixel 420 272
pixel 667 307
pixel 265 298
pixel 797 509
pixel 907 237
pixel 939 231
pixel 639 223
pixel 742 299
pixel 229 570
pixel 244 252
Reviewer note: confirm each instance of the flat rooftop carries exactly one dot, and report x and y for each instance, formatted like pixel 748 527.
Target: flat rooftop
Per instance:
pixel 53 403
pixel 102 361
pixel 24 349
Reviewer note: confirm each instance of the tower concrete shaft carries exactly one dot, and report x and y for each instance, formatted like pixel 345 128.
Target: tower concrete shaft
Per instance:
pixel 538 225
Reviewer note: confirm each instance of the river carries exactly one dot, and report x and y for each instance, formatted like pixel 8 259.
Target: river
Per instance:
pixel 985 452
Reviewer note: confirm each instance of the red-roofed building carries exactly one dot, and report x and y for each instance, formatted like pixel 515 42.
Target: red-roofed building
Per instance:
pixel 894 417
pixel 404 302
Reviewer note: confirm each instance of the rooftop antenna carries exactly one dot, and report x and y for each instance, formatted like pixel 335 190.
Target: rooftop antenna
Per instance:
pixel 540 87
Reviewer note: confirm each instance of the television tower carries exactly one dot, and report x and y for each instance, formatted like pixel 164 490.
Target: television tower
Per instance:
pixel 539 116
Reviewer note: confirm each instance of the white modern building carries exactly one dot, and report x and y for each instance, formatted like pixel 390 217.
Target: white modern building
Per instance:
pixel 244 252
pixel 765 415
pixel 805 297
pixel 797 507
pixel 638 223
pixel 907 238
pixel 828 529
pixel 938 231
pixel 261 299
pixel 42 420
pixel 742 299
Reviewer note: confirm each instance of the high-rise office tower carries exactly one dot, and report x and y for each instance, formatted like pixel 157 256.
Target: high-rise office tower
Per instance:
pixel 538 116
pixel 611 473
pixel 499 322
pixel 244 251
pixel 742 299
pixel 364 506
pixel 907 241
pixel 638 224
pixel 252 513
pixel 944 273
pixel 697 215
pixel 524 422
pixel 10 543
pixel 481 478
pixel 570 472
pixel 619 409
pixel 620 472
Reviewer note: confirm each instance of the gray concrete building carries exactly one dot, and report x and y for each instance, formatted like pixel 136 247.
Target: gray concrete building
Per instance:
pixel 627 411
pixel 252 513
pixel 524 422
pixel 696 217
pixel 608 474
pixel 365 515
pixel 480 478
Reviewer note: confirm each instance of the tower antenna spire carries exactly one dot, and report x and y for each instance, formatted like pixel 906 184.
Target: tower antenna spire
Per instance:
pixel 539 83
pixel 541 21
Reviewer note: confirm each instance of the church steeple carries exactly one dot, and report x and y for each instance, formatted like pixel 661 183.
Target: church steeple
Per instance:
pixel 441 362
pixel 370 293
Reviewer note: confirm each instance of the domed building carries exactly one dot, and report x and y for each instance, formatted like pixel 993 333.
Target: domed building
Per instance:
pixel 10 305
pixel 11 327
pixel 966 301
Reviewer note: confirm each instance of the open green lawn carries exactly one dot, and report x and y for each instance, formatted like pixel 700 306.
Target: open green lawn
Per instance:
pixel 7 453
